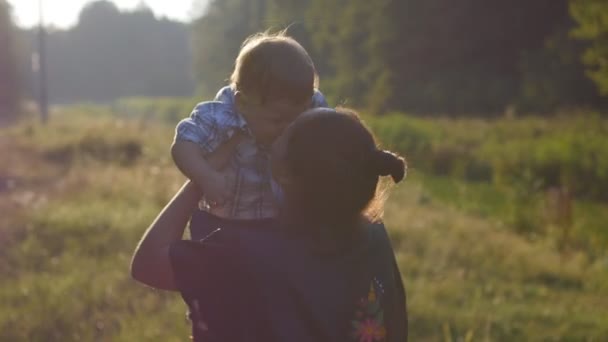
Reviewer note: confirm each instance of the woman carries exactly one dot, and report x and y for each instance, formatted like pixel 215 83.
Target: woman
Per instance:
pixel 323 272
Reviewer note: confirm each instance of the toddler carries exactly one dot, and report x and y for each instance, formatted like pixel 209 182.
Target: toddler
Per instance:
pixel 274 80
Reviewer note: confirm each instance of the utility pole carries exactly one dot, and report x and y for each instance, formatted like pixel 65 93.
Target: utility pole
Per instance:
pixel 43 95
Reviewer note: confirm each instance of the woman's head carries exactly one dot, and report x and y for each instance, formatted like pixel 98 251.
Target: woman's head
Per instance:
pixel 329 166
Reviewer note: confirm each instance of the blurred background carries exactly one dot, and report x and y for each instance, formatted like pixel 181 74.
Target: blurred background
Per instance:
pixel 500 107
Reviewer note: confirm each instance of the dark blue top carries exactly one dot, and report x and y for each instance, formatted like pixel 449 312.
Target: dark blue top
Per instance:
pixel 255 281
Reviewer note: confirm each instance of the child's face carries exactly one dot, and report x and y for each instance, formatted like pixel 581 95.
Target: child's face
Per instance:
pixel 278 155
pixel 269 119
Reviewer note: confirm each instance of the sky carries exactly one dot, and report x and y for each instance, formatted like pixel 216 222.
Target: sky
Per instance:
pixel 64 13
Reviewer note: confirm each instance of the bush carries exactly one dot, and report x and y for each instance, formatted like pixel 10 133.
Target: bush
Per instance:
pixel 533 152
pixel 574 156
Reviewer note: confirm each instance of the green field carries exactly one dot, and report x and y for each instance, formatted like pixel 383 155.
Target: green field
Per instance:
pixel 480 256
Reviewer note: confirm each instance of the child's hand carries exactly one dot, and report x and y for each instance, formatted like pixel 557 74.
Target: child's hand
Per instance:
pixel 215 189
pixel 205 170
pixel 220 158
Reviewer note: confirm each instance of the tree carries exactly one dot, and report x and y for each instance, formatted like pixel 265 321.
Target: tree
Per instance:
pixel 418 56
pixel 217 37
pixel 291 15
pixel 111 54
pixel 592 18
pixel 553 76
pixel 343 32
pixel 10 82
pixel 431 55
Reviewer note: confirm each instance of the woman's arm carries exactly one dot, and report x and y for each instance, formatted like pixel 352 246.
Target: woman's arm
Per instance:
pixel 150 264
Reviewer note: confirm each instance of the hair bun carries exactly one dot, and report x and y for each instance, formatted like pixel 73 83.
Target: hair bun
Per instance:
pixel 387 163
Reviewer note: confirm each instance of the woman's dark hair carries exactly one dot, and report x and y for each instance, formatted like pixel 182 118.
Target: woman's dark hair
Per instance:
pixel 335 167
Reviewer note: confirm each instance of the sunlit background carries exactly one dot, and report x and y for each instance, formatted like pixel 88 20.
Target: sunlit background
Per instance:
pixel 500 107
pixel 64 13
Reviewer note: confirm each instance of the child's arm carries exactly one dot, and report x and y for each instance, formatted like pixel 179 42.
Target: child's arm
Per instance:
pixel 192 162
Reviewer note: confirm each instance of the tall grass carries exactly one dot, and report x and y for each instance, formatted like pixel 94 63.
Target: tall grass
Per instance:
pixel 77 194
pixel 507 168
pixel 65 267
pixel 472 279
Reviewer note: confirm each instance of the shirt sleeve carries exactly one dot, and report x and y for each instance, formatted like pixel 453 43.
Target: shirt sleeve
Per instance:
pixel 318 100
pixel 202 127
pixel 225 95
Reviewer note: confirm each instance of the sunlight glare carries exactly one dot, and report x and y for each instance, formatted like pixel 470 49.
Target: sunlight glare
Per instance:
pixel 64 13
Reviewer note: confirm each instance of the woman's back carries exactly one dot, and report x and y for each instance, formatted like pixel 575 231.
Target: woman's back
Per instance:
pixel 303 295
pixel 312 296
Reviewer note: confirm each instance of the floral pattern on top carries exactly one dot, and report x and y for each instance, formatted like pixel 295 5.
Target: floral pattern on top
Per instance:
pixel 368 325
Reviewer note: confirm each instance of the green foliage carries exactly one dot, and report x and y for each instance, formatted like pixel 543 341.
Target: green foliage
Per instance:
pixel 72 281
pixel 570 151
pixel 217 37
pixel 506 168
pixel 470 279
pixel 592 17
pixel 553 77
pixel 415 56
pixel 73 224
pixel 66 272
pixel 443 147
pixel 432 57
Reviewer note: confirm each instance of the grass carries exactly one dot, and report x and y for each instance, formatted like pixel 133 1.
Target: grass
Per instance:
pixel 468 276
pixel 78 214
pixel 81 191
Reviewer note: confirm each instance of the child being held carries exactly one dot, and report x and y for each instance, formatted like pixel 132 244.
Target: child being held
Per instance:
pixel 274 80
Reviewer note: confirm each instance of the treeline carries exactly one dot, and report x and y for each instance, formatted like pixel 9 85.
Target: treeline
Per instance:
pixel 423 56
pixel 417 56
pixel 10 80
pixel 111 54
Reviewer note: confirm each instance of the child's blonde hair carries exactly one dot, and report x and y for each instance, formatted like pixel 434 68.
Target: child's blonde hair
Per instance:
pixel 274 66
